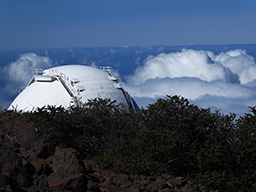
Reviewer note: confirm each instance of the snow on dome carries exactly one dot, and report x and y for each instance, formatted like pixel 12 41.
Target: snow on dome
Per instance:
pixel 72 85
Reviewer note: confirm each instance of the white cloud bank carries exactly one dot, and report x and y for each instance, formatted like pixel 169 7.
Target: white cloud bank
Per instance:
pixel 226 82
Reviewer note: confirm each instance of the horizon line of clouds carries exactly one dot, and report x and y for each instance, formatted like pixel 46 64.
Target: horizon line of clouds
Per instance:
pixel 225 82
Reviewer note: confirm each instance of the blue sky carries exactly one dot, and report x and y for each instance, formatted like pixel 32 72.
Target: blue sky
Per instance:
pixel 94 23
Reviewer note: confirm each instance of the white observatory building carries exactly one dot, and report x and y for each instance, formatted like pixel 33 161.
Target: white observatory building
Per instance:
pixel 72 85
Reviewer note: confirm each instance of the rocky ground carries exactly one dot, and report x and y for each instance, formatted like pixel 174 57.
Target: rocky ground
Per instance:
pixel 27 165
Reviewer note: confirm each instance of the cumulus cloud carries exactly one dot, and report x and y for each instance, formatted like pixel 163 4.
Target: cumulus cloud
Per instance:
pixel 224 82
pixel 19 72
pixel 239 63
pixel 22 69
pixel 188 63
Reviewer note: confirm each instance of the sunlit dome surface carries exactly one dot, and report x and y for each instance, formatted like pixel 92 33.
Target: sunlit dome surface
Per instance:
pixel 72 85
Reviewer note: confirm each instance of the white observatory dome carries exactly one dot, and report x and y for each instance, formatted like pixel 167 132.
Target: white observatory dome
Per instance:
pixel 72 85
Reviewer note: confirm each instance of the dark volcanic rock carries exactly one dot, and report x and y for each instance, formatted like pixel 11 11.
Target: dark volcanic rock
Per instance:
pixel 108 181
pixel 27 165
pixel 67 174
pixel 9 160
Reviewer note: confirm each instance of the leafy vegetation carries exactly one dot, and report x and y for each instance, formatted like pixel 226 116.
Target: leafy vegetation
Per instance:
pixel 170 136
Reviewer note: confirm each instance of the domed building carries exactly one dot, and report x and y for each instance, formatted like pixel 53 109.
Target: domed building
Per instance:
pixel 72 85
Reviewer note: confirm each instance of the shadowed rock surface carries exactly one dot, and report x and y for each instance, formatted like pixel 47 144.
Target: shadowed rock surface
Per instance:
pixel 26 164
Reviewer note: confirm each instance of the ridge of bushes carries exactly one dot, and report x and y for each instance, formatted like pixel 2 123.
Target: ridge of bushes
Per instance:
pixel 169 136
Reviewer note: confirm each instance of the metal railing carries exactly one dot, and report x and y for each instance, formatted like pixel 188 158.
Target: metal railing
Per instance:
pixel 113 73
pixel 67 83
pixel 38 71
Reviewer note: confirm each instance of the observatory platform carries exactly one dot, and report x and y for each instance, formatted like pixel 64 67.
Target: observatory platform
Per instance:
pixel 72 85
